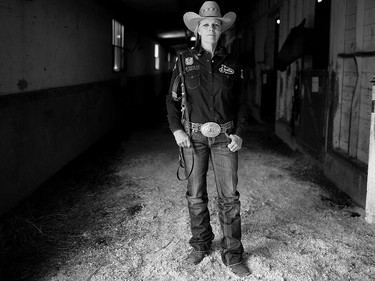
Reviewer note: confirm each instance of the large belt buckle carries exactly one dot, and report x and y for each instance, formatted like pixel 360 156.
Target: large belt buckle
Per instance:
pixel 210 129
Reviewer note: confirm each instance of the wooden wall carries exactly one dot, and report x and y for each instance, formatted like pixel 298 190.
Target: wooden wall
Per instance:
pixel 58 93
pixel 352 67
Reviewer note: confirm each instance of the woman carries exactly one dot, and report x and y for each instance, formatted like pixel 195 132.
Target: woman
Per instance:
pixel 211 128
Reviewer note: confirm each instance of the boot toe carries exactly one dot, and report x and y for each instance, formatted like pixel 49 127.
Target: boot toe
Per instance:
pixel 195 257
pixel 239 270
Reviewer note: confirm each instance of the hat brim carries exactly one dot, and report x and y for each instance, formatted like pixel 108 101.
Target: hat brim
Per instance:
pixel 192 19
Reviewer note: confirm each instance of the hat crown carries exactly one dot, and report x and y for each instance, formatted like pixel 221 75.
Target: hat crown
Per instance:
pixel 210 9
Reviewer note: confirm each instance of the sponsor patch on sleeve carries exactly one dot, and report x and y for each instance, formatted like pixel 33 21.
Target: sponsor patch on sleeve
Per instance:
pixel 189 61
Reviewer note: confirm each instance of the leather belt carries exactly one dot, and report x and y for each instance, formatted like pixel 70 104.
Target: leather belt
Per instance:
pixel 210 129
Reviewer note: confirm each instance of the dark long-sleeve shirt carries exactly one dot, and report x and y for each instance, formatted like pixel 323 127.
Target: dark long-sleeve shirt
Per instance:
pixel 213 91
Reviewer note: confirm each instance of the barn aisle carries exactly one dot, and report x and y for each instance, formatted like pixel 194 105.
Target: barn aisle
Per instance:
pixel 118 212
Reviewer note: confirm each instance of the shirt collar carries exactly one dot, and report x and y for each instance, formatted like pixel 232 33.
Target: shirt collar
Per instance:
pixel 220 51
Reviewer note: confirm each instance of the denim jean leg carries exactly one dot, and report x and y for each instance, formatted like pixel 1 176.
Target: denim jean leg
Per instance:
pixel 225 165
pixel 196 194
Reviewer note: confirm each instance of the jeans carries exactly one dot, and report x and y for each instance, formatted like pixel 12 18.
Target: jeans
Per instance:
pixel 225 166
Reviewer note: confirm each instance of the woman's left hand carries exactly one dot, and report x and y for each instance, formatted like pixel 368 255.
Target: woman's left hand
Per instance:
pixel 235 144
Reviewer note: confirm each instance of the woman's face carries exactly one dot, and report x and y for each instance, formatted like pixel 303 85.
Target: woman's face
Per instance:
pixel 210 30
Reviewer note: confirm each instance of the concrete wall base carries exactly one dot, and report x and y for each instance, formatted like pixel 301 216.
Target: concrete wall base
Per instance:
pixel 255 113
pixel 42 131
pixel 283 131
pixel 347 176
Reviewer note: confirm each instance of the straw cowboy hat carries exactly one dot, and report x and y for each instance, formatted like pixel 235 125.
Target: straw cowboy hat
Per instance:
pixel 209 9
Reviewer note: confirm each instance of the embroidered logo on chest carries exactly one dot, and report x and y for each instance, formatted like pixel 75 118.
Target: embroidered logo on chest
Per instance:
pixel 192 67
pixel 225 69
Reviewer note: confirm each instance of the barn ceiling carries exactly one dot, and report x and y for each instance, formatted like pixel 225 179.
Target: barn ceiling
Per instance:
pixel 153 18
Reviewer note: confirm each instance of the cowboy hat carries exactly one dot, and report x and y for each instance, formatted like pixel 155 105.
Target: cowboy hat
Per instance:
pixel 209 9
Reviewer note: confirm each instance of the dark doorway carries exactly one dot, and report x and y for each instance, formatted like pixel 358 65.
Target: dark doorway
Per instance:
pixel 314 87
pixel 322 28
pixel 269 80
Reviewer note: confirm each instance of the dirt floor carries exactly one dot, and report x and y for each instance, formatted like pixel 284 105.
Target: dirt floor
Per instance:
pixel 118 212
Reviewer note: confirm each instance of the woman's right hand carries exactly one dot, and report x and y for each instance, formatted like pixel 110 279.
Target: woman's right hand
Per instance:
pixel 182 139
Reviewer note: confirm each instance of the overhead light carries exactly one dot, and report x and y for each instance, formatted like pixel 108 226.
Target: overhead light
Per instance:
pixel 192 38
pixel 173 34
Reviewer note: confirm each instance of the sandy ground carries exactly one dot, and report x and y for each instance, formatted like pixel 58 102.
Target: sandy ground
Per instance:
pixel 119 213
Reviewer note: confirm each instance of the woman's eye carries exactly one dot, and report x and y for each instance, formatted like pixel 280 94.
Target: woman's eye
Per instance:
pixel 214 25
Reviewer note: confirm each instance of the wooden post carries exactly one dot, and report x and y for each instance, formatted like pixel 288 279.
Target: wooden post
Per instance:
pixel 370 195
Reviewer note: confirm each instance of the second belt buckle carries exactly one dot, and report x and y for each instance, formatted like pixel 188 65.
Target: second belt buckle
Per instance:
pixel 210 129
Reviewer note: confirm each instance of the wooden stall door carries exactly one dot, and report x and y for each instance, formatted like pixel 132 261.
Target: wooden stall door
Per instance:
pixel 311 129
